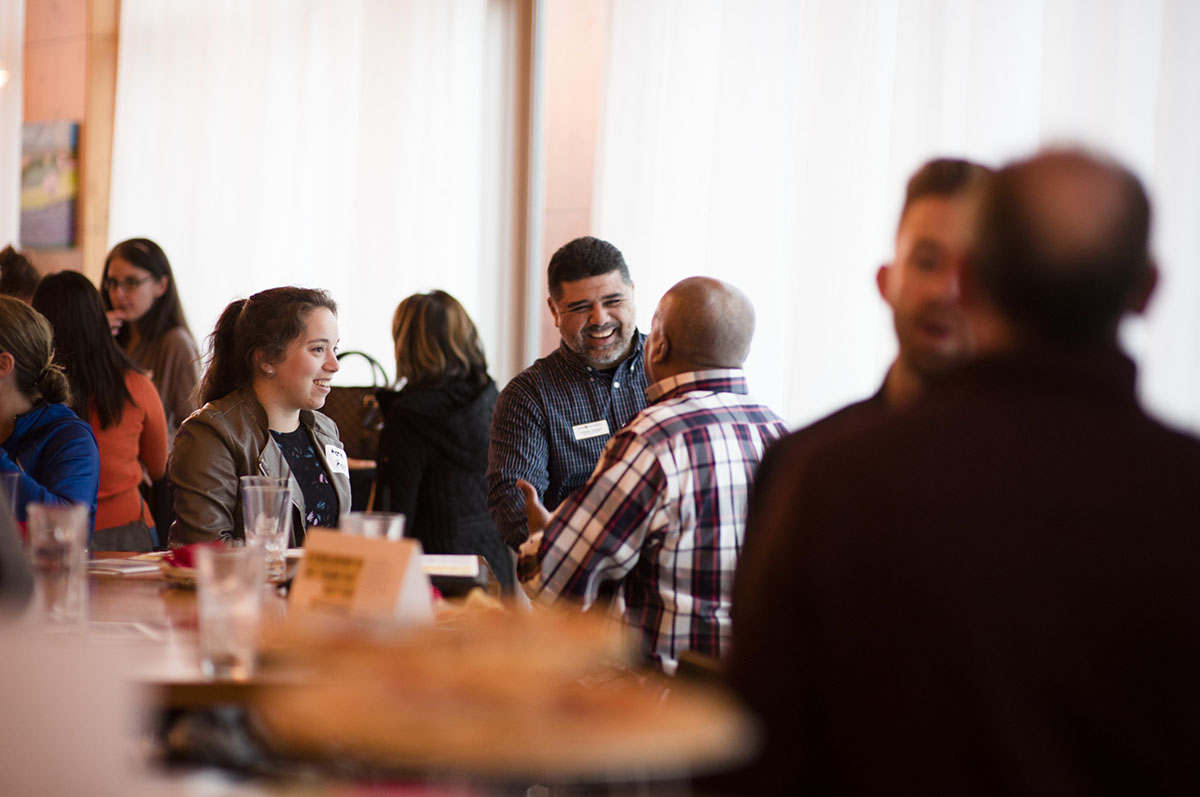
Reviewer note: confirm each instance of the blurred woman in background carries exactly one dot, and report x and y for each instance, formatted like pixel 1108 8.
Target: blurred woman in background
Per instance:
pixel 18 277
pixel 40 437
pixel 433 448
pixel 117 400
pixel 272 359
pixel 146 316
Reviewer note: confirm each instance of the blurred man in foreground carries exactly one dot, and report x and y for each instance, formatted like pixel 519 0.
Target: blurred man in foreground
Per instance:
pixel 996 591
pixel 664 512
pixel 921 286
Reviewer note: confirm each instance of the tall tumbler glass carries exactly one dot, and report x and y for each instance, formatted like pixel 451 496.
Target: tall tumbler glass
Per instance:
pixel 264 481
pixel 375 525
pixel 267 520
pixel 58 539
pixel 229 588
pixel 10 488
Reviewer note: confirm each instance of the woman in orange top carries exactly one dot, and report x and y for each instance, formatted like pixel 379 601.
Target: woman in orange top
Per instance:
pixel 119 402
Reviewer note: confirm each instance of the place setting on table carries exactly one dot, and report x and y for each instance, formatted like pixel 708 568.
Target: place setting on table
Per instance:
pixel 343 657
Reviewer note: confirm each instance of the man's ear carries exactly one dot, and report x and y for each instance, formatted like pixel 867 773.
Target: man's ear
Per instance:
pixel 881 280
pixel 1145 291
pixel 659 349
pixel 7 364
pixel 553 309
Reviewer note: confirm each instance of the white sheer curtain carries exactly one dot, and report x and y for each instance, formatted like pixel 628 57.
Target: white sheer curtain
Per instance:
pixel 361 146
pixel 767 143
pixel 12 37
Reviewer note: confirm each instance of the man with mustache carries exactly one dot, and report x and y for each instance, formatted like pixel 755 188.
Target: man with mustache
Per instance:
pixel 662 515
pixel 554 418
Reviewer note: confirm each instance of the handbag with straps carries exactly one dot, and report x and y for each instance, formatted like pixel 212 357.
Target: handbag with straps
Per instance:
pixel 356 411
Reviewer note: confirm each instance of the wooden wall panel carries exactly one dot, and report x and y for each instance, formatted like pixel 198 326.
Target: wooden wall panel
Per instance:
pixel 70 75
pixel 96 148
pixel 576 53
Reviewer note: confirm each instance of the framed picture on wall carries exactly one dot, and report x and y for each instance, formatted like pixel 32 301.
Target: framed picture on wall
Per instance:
pixel 49 184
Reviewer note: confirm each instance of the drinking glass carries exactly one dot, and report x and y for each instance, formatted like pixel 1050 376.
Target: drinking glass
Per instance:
pixel 10 488
pixel 376 525
pixel 229 587
pixel 58 538
pixel 264 481
pixel 267 520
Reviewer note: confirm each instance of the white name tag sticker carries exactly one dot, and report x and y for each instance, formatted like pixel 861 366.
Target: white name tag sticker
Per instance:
pixel 336 457
pixel 586 431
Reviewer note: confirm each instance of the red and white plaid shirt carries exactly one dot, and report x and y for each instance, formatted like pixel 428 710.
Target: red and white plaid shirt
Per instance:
pixel 663 514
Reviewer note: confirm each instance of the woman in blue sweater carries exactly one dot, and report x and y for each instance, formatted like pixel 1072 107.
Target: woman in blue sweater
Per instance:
pixel 40 437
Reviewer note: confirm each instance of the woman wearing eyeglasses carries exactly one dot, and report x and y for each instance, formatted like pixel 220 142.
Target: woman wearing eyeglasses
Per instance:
pixel 144 311
pixel 146 317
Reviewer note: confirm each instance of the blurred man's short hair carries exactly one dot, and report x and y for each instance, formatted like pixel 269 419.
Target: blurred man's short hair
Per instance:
pixel 943 177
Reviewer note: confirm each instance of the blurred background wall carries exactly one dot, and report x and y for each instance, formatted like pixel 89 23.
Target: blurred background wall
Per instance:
pixel 379 148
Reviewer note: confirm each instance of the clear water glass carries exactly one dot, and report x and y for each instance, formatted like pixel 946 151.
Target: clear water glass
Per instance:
pixel 58 539
pixel 374 525
pixel 229 590
pixel 267 521
pixel 10 488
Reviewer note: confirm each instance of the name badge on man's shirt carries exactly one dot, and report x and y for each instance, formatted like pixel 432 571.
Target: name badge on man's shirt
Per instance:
pixel 336 457
pixel 586 431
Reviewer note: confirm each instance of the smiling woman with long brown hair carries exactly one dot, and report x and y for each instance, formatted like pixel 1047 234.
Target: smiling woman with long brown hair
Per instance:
pixel 273 357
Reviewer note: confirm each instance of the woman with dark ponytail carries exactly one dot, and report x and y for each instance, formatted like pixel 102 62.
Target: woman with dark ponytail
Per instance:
pixel 272 357
pixel 40 437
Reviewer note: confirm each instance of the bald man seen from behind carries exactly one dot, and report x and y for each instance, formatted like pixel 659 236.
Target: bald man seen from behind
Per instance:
pixel 663 514
pixel 996 591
